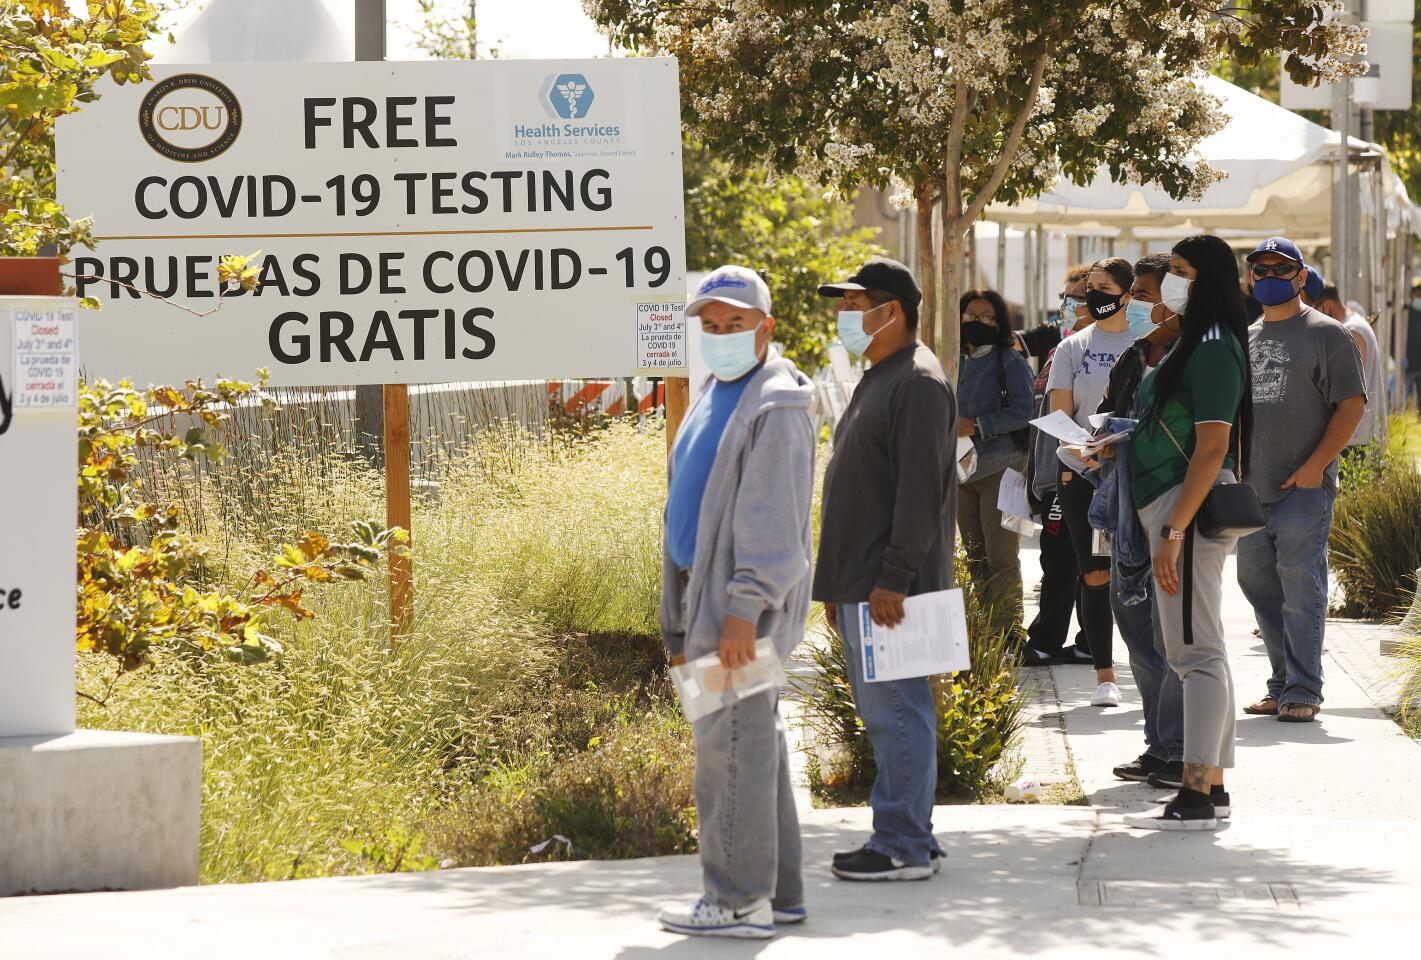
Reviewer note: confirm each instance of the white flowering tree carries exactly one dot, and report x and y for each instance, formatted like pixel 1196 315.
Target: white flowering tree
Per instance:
pixel 968 101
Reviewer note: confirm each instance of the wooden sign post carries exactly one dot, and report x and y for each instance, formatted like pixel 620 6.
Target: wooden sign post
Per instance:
pixel 678 399
pixel 397 503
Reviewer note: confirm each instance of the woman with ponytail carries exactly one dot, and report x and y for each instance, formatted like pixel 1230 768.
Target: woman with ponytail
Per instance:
pixel 1195 417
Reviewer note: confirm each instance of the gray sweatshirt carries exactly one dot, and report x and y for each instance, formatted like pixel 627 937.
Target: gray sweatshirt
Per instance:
pixel 754 538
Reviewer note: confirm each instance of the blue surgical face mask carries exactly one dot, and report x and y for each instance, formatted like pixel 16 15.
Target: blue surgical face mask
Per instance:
pixel 851 332
pixel 1272 291
pixel 1138 313
pixel 730 355
pixel 1068 314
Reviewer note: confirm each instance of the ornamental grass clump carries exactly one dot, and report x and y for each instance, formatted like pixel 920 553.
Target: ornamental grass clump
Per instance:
pixel 533 666
pixel 979 714
pixel 1375 544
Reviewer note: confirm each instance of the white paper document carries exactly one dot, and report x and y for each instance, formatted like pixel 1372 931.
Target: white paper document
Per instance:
pixel 966 459
pixel 1011 495
pixel 1059 424
pixel 932 639
pixel 704 686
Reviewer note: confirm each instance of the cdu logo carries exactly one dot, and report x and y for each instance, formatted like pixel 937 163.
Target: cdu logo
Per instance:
pixel 570 96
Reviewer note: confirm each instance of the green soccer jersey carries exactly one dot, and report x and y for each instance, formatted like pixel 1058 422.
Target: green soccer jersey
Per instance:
pixel 1210 391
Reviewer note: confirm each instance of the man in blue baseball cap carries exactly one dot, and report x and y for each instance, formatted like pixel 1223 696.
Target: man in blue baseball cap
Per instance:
pixel 1308 397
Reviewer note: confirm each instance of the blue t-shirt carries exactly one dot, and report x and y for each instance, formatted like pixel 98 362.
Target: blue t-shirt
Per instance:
pixel 691 462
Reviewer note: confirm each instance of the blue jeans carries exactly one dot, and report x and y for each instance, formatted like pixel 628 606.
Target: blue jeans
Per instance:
pixel 901 722
pixel 1283 572
pixel 1161 690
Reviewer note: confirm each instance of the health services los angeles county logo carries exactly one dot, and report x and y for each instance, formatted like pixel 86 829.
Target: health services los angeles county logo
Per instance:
pixel 567 101
pixel 190 117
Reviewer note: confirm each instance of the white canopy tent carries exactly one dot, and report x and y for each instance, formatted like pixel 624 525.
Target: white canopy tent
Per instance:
pixel 1282 173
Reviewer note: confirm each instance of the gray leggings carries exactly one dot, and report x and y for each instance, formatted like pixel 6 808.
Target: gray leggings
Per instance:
pixel 1192 623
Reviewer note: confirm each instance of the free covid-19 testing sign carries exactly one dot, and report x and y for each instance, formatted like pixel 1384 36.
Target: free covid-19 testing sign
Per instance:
pixel 415 222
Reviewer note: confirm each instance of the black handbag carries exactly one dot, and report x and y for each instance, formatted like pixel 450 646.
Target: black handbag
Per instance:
pixel 1230 509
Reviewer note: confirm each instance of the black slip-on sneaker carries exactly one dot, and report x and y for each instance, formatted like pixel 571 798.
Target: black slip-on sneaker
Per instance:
pixel 1219 797
pixel 1077 657
pixel 871 865
pixel 1168 777
pixel 1140 769
pixel 1176 818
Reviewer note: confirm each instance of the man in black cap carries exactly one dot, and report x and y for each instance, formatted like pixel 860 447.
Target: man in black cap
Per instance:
pixel 886 534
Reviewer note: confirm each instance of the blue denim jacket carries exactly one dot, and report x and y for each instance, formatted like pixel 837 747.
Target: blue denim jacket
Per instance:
pixel 1112 510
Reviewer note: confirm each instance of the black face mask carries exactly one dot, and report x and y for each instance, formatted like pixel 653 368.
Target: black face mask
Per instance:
pixel 1103 305
pixel 975 333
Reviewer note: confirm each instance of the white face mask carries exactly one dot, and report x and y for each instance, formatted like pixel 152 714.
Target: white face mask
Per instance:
pixel 1174 292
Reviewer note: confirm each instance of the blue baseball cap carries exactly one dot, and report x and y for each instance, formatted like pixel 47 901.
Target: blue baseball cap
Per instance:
pixel 1312 287
pixel 1282 246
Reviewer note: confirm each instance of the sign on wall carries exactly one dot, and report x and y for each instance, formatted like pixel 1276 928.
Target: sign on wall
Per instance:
pixel 416 222
pixel 38 506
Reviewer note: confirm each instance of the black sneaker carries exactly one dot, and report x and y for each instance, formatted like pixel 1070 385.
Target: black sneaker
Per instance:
pixel 841 855
pixel 1029 656
pixel 872 865
pixel 1139 769
pixel 1177 818
pixel 1168 777
pixel 1219 797
pixel 1077 657
pixel 937 858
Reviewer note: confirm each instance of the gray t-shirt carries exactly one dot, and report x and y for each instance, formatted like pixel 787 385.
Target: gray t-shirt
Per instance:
pixel 1082 366
pixel 1302 368
pixel 1373 425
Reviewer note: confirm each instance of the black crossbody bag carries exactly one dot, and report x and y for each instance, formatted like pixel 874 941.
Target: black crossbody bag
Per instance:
pixel 1230 509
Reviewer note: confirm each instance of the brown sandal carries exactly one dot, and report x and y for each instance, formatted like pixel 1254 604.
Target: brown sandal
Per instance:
pixel 1267 707
pixel 1309 711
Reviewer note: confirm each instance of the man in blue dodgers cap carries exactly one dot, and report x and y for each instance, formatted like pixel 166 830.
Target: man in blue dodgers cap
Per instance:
pixel 1308 397
pixel 886 533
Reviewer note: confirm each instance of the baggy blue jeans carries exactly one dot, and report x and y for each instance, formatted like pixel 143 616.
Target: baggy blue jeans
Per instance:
pixel 901 722
pixel 1161 690
pixel 1283 572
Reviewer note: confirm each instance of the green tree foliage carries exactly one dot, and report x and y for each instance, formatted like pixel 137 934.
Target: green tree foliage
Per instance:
pixel 969 102
pixel 140 572
pixel 53 63
pixel 784 226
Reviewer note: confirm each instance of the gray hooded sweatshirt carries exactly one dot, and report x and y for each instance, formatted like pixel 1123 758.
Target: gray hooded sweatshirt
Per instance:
pixel 754 538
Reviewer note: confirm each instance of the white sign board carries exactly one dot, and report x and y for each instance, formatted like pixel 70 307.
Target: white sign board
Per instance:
pixel 417 222
pixel 38 507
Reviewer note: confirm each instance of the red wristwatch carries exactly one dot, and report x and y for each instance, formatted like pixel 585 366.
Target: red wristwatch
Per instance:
pixel 1170 533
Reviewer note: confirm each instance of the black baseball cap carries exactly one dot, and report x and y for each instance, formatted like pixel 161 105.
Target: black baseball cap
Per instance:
pixel 881 274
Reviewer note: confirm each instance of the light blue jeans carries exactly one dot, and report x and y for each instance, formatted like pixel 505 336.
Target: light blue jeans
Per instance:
pixel 750 845
pixel 1283 572
pixel 1161 690
pixel 901 722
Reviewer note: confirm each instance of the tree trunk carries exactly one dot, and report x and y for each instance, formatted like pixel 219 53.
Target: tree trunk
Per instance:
pixel 927 267
pixel 954 250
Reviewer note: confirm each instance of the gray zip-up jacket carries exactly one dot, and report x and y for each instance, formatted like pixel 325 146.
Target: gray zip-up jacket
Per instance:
pixel 754 539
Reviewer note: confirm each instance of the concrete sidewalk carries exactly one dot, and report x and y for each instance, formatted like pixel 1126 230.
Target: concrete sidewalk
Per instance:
pixel 1323 853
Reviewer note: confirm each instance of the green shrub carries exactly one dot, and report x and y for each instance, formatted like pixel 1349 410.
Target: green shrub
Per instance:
pixel 979 715
pixel 623 788
pixel 1375 543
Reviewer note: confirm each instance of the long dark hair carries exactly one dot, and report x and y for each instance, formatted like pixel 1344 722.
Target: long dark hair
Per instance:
pixel 999 308
pixel 1214 298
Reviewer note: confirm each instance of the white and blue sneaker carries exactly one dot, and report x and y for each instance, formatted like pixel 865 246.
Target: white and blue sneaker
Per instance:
pixel 788 915
pixel 705 919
